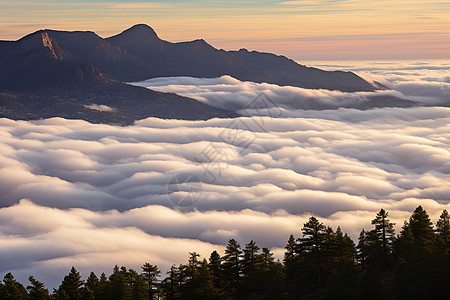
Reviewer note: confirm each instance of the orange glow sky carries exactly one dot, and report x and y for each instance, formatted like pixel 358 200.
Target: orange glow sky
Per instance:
pixel 302 30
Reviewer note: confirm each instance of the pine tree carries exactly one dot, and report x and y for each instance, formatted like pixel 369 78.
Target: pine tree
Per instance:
pixel 37 290
pixel 267 259
pixel 384 231
pixel 171 284
pixel 92 283
pixel 192 263
pixel 139 286
pixel 289 254
pixel 14 290
pixel 290 258
pixel 70 287
pixel 421 229
pixel 119 285
pixel 313 236
pixel 199 285
pixel 102 292
pixel 345 249
pixel 362 248
pixel 421 271
pixel 215 262
pixel 443 229
pixel 250 259
pixel 312 243
pixel 232 264
pixel 150 273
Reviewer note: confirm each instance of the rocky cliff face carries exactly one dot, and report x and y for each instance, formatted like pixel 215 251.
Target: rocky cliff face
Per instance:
pixel 38 42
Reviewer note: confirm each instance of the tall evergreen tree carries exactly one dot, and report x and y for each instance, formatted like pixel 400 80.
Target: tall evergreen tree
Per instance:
pixel 362 248
pixel 289 259
pixel 215 262
pixel 267 259
pixel 312 243
pixel 313 236
pixel 345 249
pixel 422 229
pixel 169 286
pixel 139 286
pixel 103 284
pixel 37 290
pixel 421 271
pixel 13 290
pixel 250 259
pixel 119 285
pixel 232 264
pixel 199 285
pixel 384 231
pixel 92 283
pixel 70 287
pixel 150 273
pixel 443 229
pixel 192 263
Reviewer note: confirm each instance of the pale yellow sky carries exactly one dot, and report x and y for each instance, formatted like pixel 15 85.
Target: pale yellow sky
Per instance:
pixel 310 30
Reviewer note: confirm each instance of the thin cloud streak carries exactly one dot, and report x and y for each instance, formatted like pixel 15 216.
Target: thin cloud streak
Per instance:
pixel 292 26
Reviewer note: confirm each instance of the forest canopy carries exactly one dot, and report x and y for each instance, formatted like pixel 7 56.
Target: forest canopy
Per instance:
pixel 322 263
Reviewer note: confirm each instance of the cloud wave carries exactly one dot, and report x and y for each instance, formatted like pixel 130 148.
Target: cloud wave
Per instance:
pixel 93 195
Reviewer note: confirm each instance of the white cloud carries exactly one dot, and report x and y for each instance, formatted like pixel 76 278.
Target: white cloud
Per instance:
pixel 425 82
pixel 229 93
pixel 99 107
pixel 98 193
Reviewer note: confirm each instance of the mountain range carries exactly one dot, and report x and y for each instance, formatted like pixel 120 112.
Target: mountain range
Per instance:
pixel 59 73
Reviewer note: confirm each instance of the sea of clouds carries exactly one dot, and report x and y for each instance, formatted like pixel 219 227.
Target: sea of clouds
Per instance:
pixel 94 195
pixel 427 83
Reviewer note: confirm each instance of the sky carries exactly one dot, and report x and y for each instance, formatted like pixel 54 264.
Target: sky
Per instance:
pixel 302 30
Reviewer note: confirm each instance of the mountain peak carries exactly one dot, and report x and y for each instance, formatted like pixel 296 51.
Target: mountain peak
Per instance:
pixel 41 39
pixel 140 31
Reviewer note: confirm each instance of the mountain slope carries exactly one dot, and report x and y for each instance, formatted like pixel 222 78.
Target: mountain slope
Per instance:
pixel 40 79
pixel 53 73
pixel 138 54
pixel 199 59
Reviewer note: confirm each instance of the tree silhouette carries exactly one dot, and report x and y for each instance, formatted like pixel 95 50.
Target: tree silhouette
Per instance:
pixel 70 287
pixel 232 265
pixel 312 243
pixel 319 265
pixel 250 259
pixel 362 248
pixel 215 262
pixel 150 273
pixel 443 229
pixel 13 289
pixel 384 231
pixel 421 229
pixel 37 290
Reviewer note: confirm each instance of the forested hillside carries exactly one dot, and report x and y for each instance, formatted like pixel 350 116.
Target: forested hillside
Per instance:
pixel 322 263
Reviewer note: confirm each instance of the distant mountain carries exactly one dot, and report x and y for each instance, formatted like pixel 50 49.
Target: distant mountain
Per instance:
pixel 138 54
pixel 40 79
pixel 81 75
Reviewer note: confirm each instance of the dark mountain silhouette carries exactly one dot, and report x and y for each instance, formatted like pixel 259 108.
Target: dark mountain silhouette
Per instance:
pixel 57 73
pixel 40 79
pixel 138 54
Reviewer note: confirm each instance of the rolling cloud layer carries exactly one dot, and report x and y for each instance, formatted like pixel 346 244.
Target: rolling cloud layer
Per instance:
pixel 424 83
pixel 92 195
pixel 229 93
